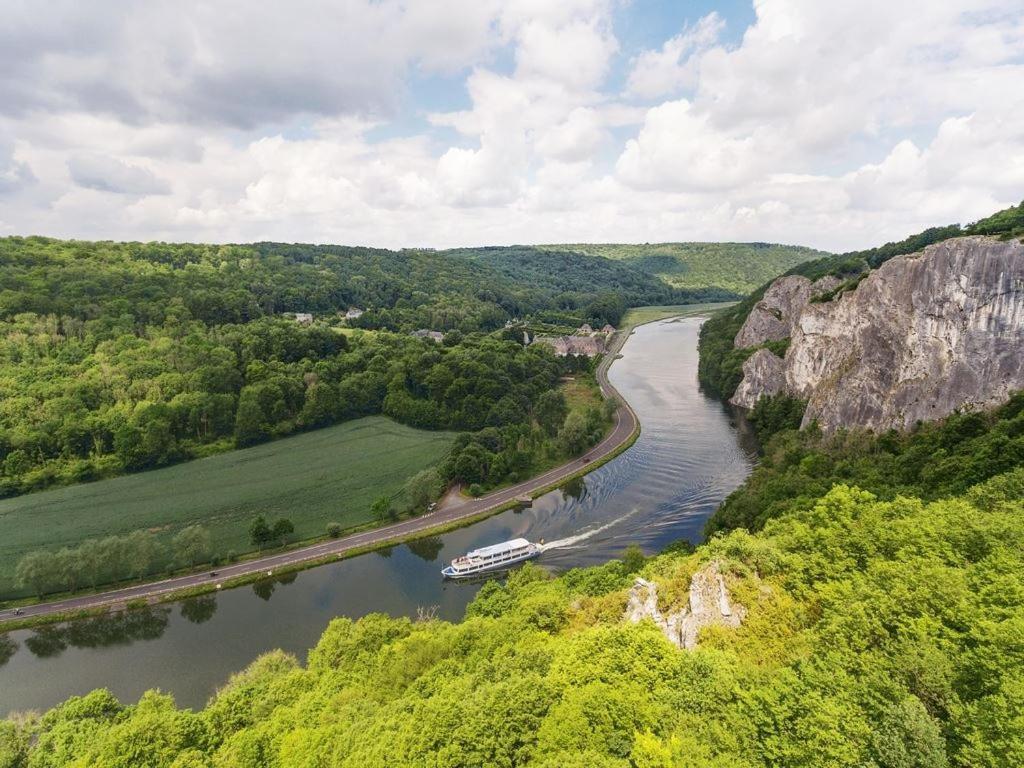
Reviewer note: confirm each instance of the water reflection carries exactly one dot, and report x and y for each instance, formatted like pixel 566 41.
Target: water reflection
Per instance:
pixel 8 647
pixel 264 588
pixel 691 453
pixel 427 548
pixel 199 609
pixel 118 628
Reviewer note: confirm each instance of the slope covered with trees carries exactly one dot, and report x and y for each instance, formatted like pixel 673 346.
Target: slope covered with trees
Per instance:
pixel 875 633
pixel 737 267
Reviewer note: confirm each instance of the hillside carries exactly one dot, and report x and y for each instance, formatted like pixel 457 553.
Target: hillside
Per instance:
pixel 881 633
pixel 724 349
pixel 737 267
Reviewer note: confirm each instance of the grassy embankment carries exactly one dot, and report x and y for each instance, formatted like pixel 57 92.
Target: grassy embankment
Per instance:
pixel 642 315
pixel 328 475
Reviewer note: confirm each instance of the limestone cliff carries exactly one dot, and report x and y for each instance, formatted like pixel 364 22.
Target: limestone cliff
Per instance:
pixel 922 336
pixel 709 604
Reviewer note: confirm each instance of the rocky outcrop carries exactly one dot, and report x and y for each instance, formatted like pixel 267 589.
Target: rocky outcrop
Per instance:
pixel 774 317
pixel 709 604
pixel 923 336
pixel 764 375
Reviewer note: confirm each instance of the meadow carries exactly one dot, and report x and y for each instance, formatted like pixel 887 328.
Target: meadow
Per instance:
pixel 640 315
pixel 328 475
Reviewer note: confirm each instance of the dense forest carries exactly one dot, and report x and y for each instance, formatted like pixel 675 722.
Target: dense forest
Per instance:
pixel 875 633
pixel 721 364
pixel 123 356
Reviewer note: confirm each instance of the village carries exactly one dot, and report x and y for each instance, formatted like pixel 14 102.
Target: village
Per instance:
pixel 585 340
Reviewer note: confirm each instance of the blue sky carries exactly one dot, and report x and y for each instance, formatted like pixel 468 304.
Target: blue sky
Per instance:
pixel 472 122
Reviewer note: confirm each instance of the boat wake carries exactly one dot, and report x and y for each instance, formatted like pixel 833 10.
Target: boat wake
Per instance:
pixel 572 541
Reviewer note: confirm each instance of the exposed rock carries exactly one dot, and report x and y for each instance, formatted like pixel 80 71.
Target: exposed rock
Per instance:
pixel 709 604
pixel 764 374
pixel 922 336
pixel 772 317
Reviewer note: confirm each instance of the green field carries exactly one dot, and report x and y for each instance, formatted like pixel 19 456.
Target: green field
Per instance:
pixel 328 475
pixel 641 315
pixel 739 267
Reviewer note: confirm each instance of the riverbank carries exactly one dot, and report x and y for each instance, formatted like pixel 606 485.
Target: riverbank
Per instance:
pixel 625 431
pixel 691 453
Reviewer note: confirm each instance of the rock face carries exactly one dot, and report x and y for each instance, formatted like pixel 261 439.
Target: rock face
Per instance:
pixel 923 336
pixel 774 317
pixel 764 374
pixel 709 604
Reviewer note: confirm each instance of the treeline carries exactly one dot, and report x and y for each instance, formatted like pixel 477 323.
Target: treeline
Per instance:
pixel 113 558
pixel 470 290
pixel 84 400
pixel 874 633
pixel 721 364
pixel 932 461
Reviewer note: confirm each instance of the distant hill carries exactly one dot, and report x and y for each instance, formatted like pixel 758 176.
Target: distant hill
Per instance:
pixel 737 267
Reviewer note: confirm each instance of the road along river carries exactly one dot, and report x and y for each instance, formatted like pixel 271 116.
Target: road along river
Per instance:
pixel 691 453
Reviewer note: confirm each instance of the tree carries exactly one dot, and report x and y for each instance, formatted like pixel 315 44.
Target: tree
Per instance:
pixel 282 529
pixel 381 509
pixel 192 545
pixel 259 532
pixel 38 572
pixel 575 433
pixel 423 488
pixel 250 421
pixel 142 551
pixel 550 411
pixel 633 558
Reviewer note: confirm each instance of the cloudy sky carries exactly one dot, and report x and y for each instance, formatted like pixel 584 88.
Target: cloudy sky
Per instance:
pixel 836 124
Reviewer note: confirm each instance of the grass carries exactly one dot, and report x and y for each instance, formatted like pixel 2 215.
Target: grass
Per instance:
pixel 327 475
pixel 640 315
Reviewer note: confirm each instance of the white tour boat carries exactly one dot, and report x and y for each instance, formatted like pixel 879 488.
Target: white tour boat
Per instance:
pixel 492 558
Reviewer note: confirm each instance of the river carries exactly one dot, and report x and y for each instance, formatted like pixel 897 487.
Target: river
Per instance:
pixel 691 453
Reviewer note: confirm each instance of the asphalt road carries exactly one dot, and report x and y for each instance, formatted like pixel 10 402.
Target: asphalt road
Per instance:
pixel 625 423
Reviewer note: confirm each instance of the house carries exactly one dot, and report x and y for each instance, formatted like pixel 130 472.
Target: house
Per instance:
pixel 608 329
pixel 303 318
pixel 423 333
pixel 584 330
pixel 564 346
pixel 354 313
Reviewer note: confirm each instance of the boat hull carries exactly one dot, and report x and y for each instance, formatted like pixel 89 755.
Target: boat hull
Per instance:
pixel 468 573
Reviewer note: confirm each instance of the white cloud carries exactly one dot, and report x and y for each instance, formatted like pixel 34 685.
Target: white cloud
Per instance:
pixel 674 66
pixel 836 124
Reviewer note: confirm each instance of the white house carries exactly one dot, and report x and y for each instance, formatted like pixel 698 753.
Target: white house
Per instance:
pixel 354 313
pixel 303 318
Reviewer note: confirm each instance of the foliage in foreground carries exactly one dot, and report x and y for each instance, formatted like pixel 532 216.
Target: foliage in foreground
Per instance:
pixel 878 633
pixel 932 461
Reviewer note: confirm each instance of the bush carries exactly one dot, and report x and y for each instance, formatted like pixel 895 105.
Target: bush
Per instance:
pixel 334 530
pixel 475 490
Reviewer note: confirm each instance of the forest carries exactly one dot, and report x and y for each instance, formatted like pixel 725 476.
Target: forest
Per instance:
pixel 721 364
pixel 932 461
pixel 120 357
pixel 876 633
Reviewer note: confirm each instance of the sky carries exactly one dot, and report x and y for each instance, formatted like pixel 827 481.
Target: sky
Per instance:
pixel 440 123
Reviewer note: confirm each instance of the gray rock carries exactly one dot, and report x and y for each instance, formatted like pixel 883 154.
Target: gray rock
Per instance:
pixel 709 604
pixel 773 317
pixel 921 337
pixel 764 374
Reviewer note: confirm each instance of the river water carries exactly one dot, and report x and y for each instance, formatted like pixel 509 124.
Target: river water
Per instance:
pixel 691 453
